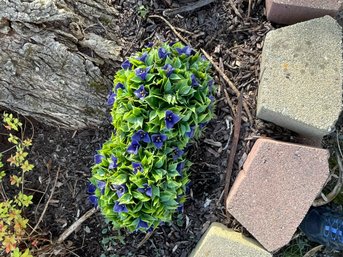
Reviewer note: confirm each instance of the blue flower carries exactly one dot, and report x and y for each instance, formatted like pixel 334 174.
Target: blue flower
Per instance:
pixel 184 50
pixel 195 82
pixel 158 140
pixel 101 185
pixel 120 189
pixel 202 125
pixel 111 98
pixel 172 43
pixel 98 158
pixel 162 53
pixel 180 167
pixel 171 119
pixel 120 207
pixel 149 44
pixel 203 58
pixel 141 93
pixel 210 84
pixel 141 135
pixel 190 133
pixel 142 72
pixel 94 200
pixel 133 148
pixel 91 188
pixel 119 85
pixel 113 163
pixel 142 224
pixel 180 208
pixel 212 98
pixel 126 65
pixel 137 167
pixel 145 190
pixel 177 153
pixel 169 69
pixel 143 57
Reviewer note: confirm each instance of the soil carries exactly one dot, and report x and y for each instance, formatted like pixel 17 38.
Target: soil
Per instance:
pixel 234 41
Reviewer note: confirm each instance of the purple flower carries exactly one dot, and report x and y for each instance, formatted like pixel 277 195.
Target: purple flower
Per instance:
pixel 195 82
pixel 169 69
pixel 141 93
pixel 119 85
pixel 202 125
pixel 120 189
pixel 142 224
pixel 171 119
pixel 184 50
pixel 158 140
pixel 212 98
pixel 210 84
pixel 126 65
pixel 120 207
pixel 142 72
pixel 141 135
pixel 190 133
pixel 137 167
pixel 172 43
pixel 180 167
pixel 111 98
pixel 177 153
pixel 143 57
pixel 149 44
pixel 203 58
pixel 101 185
pixel 133 148
pixel 162 53
pixel 98 158
pixel 180 208
pixel 113 163
pixel 146 189
pixel 94 200
pixel 91 188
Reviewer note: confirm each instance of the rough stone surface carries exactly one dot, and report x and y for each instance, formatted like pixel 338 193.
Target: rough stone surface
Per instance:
pixel 219 241
pixel 301 77
pixel 276 188
pixel 293 11
pixel 52 68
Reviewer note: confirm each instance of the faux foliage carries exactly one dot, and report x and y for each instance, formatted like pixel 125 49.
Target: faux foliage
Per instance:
pixel 161 99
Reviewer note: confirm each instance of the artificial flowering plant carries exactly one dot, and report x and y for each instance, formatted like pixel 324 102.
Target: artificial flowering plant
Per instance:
pixel 161 99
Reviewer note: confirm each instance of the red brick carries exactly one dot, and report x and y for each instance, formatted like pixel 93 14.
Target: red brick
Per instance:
pixel 276 188
pixel 293 11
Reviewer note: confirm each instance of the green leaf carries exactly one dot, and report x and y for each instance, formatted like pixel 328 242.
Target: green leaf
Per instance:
pixel 118 179
pixel 140 196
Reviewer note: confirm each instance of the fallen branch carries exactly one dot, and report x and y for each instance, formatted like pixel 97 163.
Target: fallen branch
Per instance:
pixel 172 28
pixel 230 83
pixel 187 8
pixel 236 133
pixel 75 225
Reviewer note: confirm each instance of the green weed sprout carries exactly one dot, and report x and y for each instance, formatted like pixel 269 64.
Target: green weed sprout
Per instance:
pixel 12 224
pixel 161 99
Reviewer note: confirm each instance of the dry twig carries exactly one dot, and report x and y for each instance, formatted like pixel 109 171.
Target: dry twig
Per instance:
pixel 236 133
pixel 75 225
pixel 47 203
pixel 146 238
pixel 234 8
pixel 336 190
pixel 230 83
pixel 187 8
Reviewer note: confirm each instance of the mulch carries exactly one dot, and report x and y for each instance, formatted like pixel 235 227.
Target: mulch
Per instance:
pixel 234 41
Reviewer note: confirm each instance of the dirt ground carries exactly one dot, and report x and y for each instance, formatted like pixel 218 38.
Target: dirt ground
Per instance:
pixel 234 41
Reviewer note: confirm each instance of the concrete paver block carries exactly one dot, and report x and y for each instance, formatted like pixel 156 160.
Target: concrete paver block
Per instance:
pixel 276 188
pixel 301 77
pixel 219 241
pixel 293 11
